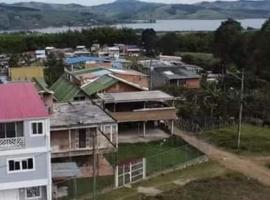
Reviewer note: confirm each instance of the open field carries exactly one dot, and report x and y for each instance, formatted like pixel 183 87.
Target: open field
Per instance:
pixel 254 140
pixel 168 181
pixel 231 186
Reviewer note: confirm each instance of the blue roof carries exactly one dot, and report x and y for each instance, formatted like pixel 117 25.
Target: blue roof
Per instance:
pixel 82 59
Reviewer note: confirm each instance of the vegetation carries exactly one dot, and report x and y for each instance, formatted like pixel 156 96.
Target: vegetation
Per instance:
pixel 159 155
pixel 28 15
pixel 254 140
pixel 167 181
pixel 231 186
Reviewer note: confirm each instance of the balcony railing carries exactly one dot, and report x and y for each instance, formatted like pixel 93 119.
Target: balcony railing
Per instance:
pixel 16 142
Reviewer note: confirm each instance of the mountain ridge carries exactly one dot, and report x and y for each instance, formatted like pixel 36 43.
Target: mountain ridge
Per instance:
pixel 29 15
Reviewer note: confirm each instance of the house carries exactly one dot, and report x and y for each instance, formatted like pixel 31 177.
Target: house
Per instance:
pixel 79 62
pixel 140 112
pixel 175 75
pixel 112 52
pixel 24 144
pixel 81 133
pixel 26 73
pixel 85 84
pixel 40 54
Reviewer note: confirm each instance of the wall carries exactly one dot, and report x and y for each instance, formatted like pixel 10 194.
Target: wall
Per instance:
pixel 137 79
pixel 121 87
pixel 40 168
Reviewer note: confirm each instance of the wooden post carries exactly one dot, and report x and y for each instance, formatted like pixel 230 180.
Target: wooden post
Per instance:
pixel 144 128
pixel 172 128
pixel 144 168
pixel 116 177
pixel 69 139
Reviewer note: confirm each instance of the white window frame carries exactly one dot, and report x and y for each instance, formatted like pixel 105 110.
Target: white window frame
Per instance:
pixel 31 128
pixel 20 160
pixel 40 193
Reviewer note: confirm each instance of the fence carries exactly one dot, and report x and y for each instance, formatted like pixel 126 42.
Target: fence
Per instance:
pixel 161 156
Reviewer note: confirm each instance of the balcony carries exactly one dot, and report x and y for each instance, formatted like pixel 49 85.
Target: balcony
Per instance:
pixel 12 143
pixel 147 114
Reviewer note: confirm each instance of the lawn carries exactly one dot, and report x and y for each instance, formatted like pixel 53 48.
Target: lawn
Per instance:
pixel 165 182
pixel 231 186
pixel 254 140
pixel 84 186
pixel 159 155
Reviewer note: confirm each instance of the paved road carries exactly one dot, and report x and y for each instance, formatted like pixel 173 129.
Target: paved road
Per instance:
pixel 228 160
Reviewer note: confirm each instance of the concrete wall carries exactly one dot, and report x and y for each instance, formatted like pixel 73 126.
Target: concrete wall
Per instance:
pixel 40 168
pixel 121 87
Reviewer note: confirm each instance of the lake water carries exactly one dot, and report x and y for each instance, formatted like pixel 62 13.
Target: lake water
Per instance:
pixel 168 25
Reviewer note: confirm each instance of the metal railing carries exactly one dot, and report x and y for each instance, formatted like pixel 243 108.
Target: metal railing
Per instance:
pixel 15 142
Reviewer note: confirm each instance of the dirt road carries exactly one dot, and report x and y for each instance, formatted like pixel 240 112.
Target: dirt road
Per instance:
pixel 229 160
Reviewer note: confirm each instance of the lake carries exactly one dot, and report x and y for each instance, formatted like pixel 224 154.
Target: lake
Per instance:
pixel 167 25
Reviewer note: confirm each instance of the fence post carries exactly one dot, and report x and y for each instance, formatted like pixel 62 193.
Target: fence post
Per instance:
pixel 130 172
pixel 144 168
pixel 116 177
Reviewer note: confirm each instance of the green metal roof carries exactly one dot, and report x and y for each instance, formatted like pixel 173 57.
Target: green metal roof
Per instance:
pixel 41 85
pixel 64 90
pixel 99 85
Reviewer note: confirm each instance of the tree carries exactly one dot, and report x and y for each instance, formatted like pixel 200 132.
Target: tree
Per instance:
pixel 226 41
pixel 54 69
pixel 149 41
pixel 168 44
pixel 14 60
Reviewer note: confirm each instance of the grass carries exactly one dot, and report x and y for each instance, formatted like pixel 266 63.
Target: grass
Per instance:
pixel 254 140
pixel 159 155
pixel 231 186
pixel 85 186
pixel 165 182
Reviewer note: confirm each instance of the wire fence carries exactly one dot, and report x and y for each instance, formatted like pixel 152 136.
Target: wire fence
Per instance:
pixel 158 156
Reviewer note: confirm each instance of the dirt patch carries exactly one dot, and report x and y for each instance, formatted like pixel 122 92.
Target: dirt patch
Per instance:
pixel 149 191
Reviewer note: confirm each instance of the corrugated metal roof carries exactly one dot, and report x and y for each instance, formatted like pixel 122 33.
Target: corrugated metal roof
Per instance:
pixel 20 101
pixel 64 90
pixel 83 59
pixel 99 85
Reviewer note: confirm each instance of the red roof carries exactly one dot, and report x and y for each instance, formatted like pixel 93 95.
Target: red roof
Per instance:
pixel 20 101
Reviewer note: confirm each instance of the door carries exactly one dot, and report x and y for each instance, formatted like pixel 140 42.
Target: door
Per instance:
pixel 82 138
pixel 9 195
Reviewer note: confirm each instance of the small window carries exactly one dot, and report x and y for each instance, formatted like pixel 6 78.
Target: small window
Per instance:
pixel 33 193
pixel 24 164
pixel 37 128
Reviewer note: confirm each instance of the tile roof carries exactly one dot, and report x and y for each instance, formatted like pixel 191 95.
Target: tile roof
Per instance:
pixel 19 101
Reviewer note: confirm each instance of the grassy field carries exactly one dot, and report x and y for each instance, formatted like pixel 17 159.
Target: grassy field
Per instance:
pixel 231 186
pixel 254 140
pixel 165 182
pixel 159 155
pixel 84 186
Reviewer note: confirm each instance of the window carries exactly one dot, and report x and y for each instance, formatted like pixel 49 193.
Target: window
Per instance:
pixel 23 164
pixel 33 192
pixel 37 128
pixel 11 130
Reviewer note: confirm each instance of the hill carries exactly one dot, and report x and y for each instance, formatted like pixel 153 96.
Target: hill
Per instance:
pixel 28 15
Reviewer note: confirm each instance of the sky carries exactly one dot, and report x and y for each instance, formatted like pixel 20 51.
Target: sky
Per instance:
pixel 96 2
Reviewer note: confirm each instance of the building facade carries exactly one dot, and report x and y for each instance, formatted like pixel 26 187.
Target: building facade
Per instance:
pixel 25 169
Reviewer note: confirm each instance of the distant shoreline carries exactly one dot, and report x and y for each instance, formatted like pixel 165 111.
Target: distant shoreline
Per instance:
pixel 181 25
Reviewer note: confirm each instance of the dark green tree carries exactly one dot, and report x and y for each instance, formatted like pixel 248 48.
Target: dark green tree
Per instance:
pixel 226 41
pixel 54 69
pixel 168 44
pixel 149 41
pixel 14 60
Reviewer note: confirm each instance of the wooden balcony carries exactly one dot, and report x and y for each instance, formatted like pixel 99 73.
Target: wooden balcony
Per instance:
pixel 147 114
pixel 12 143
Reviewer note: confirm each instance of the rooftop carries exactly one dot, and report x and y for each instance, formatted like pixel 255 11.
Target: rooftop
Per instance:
pixel 19 101
pixel 135 96
pixel 78 114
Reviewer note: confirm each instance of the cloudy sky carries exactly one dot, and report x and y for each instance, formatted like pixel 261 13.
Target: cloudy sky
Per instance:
pixel 96 2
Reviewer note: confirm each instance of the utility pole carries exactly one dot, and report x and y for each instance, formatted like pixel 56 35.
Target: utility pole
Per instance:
pixel 94 165
pixel 241 108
